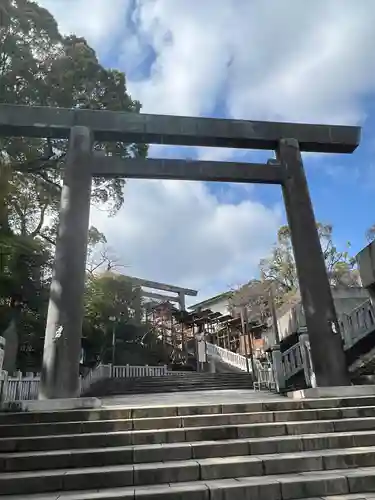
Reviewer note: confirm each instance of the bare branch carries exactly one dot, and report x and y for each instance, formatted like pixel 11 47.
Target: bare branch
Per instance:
pixel 41 221
pixel 45 178
pixel 48 239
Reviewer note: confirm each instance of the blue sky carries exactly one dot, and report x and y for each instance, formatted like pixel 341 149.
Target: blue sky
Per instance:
pixel 282 60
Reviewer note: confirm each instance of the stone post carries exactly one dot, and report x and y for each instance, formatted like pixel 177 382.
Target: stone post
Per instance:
pixel 326 343
pixel 277 367
pixel 308 368
pixel 212 364
pixel 2 351
pixel 346 331
pixel 62 345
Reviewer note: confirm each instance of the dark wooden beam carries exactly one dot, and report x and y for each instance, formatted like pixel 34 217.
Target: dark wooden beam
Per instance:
pixel 111 167
pixel 31 121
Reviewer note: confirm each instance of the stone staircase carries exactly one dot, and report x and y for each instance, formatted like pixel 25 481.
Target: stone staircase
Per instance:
pixel 275 449
pixel 179 382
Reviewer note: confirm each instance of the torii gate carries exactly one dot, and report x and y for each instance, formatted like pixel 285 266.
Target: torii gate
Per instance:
pixel 156 285
pixel 64 322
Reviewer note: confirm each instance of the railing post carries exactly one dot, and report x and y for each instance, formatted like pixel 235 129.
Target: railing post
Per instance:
pixel 212 365
pixel 306 359
pixel 18 386
pixel 3 382
pixel 2 352
pixel 277 367
pixel 245 340
pixel 346 331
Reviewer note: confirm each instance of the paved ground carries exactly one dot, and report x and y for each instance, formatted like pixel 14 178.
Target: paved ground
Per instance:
pixel 190 398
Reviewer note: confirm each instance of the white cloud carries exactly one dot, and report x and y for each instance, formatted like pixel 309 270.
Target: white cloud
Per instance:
pixel 92 19
pixel 178 232
pixel 274 59
pixel 264 59
pixel 255 59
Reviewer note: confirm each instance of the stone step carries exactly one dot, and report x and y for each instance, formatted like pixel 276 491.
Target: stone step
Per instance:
pixel 170 411
pixel 120 424
pixel 186 377
pixel 180 380
pixel 117 455
pixel 191 376
pixel 184 471
pixel 174 435
pixel 193 385
pixel 222 378
pixel 107 390
pixel 274 449
pixel 350 496
pixel 303 485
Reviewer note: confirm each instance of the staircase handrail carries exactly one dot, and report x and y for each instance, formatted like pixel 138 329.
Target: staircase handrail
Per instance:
pixel 292 360
pixel 229 357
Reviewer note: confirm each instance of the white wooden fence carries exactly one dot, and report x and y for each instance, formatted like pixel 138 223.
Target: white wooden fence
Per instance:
pixel 139 371
pixel 18 388
pixel 264 377
pixel 21 388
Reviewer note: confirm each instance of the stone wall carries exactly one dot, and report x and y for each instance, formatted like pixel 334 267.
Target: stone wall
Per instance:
pixel 366 264
pixel 291 318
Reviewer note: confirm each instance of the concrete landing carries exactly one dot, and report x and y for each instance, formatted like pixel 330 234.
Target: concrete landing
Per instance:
pixel 334 392
pixel 152 400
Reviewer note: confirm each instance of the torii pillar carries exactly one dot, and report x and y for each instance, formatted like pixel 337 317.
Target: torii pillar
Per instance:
pixel 325 340
pixel 62 345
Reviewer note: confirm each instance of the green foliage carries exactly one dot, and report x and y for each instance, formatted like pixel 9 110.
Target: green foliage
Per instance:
pixel 280 266
pixel 24 283
pixel 111 295
pixel 113 302
pixel 40 67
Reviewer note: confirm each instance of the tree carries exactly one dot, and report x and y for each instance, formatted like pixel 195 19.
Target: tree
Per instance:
pixel 280 267
pixel 99 255
pixel 112 298
pixel 254 296
pixel 40 67
pixel 24 284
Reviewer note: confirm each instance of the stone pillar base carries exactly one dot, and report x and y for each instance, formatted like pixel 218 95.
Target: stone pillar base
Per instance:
pixel 333 392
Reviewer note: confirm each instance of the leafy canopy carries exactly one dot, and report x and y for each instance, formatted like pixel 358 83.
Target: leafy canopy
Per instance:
pixel 40 67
